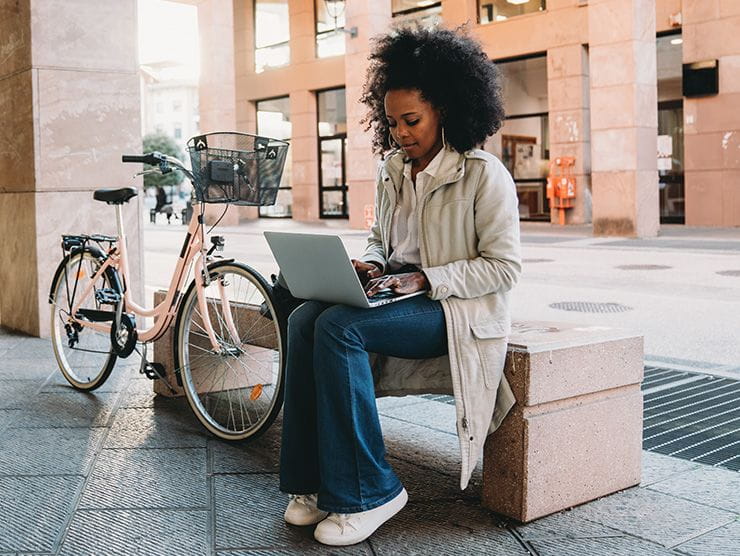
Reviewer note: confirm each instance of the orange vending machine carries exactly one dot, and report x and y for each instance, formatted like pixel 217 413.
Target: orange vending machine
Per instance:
pixel 561 185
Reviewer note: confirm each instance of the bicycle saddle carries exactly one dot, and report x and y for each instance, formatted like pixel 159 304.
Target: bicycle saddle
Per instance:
pixel 115 196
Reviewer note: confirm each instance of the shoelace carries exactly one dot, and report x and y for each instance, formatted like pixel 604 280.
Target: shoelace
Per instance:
pixel 343 520
pixel 308 500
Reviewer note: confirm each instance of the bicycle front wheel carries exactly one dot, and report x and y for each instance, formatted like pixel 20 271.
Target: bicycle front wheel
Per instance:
pixel 235 388
pixel 84 355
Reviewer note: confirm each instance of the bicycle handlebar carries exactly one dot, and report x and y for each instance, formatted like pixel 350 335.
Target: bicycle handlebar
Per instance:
pixel 163 161
pixel 151 158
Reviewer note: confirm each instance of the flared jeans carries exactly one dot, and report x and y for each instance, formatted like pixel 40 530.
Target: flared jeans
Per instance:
pixel 332 442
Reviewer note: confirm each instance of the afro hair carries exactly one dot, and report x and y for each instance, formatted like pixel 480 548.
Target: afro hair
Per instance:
pixel 451 72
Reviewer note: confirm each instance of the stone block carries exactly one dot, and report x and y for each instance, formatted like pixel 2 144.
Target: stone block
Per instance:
pixel 703 192
pixel 18 305
pixel 568 93
pixel 654 516
pixel 169 532
pixel 570 126
pixel 17 163
pixel 567 61
pixel 78 113
pixel 15 30
pixel 147 479
pixel 728 8
pixel 559 445
pixel 696 12
pixel 35 511
pixel 715 541
pixel 730 198
pixel 85 35
pixel 703 151
pixel 705 485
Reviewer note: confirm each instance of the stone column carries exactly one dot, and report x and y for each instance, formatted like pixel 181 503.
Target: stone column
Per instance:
pixel 712 123
pixel 217 87
pixel 370 18
pixel 305 158
pixel 569 120
pixel 69 95
pixel 623 117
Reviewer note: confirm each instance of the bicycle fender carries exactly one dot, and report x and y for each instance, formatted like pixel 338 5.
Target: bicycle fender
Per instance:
pixel 96 252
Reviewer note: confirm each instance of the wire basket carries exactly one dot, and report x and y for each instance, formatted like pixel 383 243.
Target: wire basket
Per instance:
pixel 237 168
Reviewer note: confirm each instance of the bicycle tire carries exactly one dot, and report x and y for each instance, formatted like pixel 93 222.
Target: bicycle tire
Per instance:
pixel 88 364
pixel 249 370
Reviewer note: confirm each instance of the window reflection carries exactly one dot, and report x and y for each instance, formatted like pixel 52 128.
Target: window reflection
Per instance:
pixel 332 131
pixel 523 142
pixel 273 120
pixel 329 29
pixel 670 129
pixel 427 13
pixel 271 34
pixel 501 10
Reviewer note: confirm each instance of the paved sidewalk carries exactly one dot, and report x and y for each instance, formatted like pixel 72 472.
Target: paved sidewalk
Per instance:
pixel 123 472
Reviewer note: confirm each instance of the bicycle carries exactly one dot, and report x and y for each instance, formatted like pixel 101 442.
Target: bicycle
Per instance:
pixel 228 336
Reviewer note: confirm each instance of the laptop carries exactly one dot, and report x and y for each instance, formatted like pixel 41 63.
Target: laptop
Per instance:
pixel 317 266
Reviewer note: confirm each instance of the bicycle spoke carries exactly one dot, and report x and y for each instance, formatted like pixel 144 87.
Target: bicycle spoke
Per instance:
pixel 222 387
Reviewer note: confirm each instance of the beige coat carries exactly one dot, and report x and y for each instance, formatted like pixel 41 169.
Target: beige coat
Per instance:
pixel 470 253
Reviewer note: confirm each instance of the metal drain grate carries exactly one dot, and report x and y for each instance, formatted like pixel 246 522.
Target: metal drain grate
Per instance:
pixel 530 261
pixel 643 267
pixel 690 416
pixel 729 273
pixel 590 307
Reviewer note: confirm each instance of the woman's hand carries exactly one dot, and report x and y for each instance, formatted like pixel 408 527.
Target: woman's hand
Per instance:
pixel 366 271
pixel 400 284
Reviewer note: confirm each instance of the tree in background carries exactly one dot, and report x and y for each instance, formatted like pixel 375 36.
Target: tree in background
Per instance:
pixel 166 145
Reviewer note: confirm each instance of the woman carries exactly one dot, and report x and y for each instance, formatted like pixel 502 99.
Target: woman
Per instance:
pixel 446 222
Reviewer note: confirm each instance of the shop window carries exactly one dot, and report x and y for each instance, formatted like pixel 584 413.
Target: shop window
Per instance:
pixel 501 10
pixel 329 28
pixel 332 133
pixel 426 12
pixel 273 120
pixel 670 128
pixel 523 143
pixel 271 34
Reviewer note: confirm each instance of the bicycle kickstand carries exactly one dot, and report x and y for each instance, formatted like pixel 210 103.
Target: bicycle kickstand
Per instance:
pixel 153 371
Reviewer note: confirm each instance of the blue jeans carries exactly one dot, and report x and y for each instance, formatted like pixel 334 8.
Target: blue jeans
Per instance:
pixel 332 443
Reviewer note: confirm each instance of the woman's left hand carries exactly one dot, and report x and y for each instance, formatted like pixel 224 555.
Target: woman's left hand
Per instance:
pixel 401 284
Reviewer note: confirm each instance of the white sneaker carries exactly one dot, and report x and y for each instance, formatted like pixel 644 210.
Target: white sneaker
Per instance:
pixel 302 510
pixel 346 529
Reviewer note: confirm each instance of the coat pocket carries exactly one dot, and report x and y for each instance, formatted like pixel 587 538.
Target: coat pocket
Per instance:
pixel 490 341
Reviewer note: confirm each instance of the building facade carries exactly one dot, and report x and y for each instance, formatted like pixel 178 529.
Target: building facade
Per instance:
pixel 169 101
pixel 598 80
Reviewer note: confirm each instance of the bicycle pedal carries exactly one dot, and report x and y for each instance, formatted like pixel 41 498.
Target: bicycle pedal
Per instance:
pixel 154 371
pixel 107 296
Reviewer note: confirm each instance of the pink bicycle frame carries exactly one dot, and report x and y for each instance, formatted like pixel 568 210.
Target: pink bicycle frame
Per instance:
pixel 193 249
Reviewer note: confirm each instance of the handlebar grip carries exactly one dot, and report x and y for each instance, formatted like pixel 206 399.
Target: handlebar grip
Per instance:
pixel 150 158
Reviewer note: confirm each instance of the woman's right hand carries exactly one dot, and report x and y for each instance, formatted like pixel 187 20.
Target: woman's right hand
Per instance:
pixel 366 271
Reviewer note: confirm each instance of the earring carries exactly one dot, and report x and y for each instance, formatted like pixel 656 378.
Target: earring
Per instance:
pixel 444 143
pixel 392 141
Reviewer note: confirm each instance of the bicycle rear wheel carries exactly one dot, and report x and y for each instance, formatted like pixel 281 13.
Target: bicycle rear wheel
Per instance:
pixel 236 391
pixel 85 356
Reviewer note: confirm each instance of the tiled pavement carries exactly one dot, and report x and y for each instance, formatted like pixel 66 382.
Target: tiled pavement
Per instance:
pixel 121 471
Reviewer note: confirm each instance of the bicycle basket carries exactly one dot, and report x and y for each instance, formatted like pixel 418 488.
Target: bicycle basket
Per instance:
pixel 238 168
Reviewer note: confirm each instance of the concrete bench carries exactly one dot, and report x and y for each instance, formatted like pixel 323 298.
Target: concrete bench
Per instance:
pixel 575 433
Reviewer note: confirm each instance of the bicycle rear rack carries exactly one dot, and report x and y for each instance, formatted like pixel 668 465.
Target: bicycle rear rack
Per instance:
pixel 70 241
